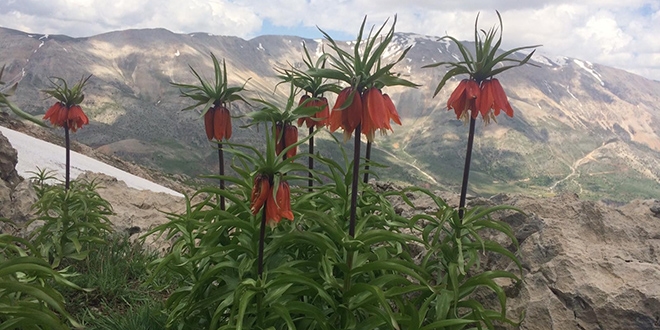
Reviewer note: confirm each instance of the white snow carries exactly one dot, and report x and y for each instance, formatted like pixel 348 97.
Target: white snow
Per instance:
pixel 587 66
pixel 178 53
pixel 33 153
pixel 261 47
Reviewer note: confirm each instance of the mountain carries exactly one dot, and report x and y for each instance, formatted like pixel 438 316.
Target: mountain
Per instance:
pixel 578 126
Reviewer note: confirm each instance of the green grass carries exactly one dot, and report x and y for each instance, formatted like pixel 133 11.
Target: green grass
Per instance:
pixel 118 297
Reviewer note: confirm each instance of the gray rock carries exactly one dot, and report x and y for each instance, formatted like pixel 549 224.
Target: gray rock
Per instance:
pixel 8 161
pixel 588 266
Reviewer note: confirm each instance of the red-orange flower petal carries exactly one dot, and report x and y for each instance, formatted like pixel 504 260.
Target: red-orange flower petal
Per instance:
pixel 290 138
pixel 221 123
pixel 306 120
pixel 375 115
pixel 53 114
pixel 486 100
pixel 227 120
pixel 501 100
pixel 208 123
pixel 463 98
pixel 283 198
pixel 323 116
pixel 76 118
pixel 260 191
pixel 273 216
pixel 344 115
pixel 394 115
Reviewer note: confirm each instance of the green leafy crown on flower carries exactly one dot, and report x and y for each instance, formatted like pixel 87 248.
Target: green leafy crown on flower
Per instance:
pixel 362 69
pixel 483 64
pixel 271 112
pixel 68 96
pixel 314 85
pixel 210 93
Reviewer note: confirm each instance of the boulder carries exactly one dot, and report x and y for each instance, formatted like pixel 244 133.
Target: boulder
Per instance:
pixel 588 266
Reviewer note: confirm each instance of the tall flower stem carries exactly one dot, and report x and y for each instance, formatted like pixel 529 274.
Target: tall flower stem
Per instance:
pixel 354 185
pixel 466 169
pixel 221 171
pixel 310 182
pixel 368 158
pixel 67 144
pixel 262 238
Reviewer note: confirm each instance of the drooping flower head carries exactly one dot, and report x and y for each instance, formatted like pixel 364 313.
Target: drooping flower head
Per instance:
pixel 313 87
pixel 66 112
pixel 217 123
pixel 286 135
pixel 318 119
pixel 276 196
pixel 215 97
pixel 363 102
pixel 481 93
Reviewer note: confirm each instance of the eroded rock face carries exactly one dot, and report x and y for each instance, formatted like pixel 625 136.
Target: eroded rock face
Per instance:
pixel 8 161
pixel 587 266
pixel 16 194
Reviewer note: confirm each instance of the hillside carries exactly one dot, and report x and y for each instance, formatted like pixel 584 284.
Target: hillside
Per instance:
pixel 578 126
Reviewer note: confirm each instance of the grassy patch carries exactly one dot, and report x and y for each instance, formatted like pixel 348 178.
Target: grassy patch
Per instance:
pixel 118 297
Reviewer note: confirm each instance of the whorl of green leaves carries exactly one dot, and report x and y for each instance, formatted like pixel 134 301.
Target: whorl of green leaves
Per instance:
pixel 362 68
pixel 69 96
pixel 74 220
pixel 314 85
pixel 274 113
pixel 210 93
pixel 482 65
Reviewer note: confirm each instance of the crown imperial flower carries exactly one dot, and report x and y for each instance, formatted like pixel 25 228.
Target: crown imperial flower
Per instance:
pixel 66 112
pixel 481 93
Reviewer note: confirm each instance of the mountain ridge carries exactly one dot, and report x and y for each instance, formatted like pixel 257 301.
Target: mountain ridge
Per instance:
pixel 565 110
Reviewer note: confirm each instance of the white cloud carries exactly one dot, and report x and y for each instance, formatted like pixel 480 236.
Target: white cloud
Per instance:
pixel 611 32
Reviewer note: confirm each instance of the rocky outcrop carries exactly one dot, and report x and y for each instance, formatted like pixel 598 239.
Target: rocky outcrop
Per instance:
pixel 587 265
pixel 136 211
pixel 16 195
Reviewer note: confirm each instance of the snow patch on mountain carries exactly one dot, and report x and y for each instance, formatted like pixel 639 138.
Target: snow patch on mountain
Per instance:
pixel 587 66
pixel 33 153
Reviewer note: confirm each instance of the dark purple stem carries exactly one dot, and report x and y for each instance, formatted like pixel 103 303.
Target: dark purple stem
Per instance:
pixel 354 186
pixel 466 169
pixel 368 158
pixel 310 182
pixel 262 237
pixel 221 170
pixel 67 143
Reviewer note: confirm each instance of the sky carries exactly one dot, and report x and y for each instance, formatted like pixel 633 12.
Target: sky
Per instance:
pixel 622 34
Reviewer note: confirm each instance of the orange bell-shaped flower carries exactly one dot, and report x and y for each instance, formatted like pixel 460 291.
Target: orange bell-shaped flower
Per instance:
pixel 463 98
pixel 345 115
pixel 260 191
pixel 76 118
pixel 217 123
pixel 286 135
pixel 73 117
pixel 280 206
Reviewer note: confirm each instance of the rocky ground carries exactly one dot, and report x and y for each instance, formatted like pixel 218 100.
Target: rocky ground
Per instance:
pixel 588 266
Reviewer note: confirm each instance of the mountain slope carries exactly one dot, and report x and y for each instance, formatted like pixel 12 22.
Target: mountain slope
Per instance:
pixel 578 126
